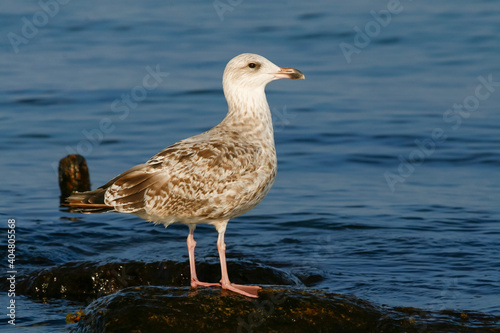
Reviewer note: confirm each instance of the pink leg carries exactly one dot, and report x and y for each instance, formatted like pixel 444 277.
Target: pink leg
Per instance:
pixel 250 291
pixel 191 243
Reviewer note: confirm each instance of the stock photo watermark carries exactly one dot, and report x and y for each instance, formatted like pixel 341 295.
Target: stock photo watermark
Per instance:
pixel 454 117
pixel 281 118
pixel 371 30
pixel 223 6
pixel 264 309
pixel 11 270
pixel 120 108
pixel 419 318
pixel 30 27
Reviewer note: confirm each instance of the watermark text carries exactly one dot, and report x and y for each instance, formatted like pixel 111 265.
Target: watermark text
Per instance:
pixel 11 270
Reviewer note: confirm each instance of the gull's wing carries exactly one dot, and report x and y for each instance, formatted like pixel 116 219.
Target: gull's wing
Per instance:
pixel 202 179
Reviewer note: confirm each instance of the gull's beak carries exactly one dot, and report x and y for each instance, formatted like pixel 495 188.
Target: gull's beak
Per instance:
pixel 289 73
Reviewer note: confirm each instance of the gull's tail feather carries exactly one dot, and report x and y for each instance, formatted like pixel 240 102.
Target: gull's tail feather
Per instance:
pixel 88 202
pixel 91 202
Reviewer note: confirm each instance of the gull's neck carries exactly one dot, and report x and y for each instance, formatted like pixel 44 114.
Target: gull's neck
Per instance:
pixel 249 113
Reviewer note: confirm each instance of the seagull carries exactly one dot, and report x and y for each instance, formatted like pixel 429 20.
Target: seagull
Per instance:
pixel 209 178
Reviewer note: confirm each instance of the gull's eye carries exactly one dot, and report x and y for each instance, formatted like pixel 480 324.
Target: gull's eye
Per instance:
pixel 252 65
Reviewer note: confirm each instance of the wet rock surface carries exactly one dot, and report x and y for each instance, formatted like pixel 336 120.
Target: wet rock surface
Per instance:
pixel 87 281
pixel 169 309
pixel 155 297
pixel 208 310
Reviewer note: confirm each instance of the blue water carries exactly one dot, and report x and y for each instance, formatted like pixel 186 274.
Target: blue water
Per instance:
pixel 426 235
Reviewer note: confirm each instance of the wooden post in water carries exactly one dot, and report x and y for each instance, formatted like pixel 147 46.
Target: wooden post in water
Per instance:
pixel 73 175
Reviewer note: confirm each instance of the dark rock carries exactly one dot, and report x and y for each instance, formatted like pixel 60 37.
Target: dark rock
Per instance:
pixel 87 281
pixel 309 277
pixel 160 309
pixel 312 279
pixel 155 297
pixel 169 309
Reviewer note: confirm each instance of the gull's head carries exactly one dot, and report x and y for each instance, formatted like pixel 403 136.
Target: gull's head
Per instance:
pixel 251 71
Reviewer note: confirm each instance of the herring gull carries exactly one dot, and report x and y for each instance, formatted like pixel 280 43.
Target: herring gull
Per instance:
pixel 208 178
